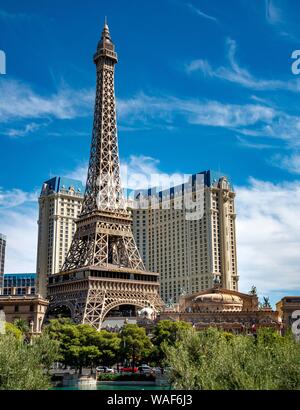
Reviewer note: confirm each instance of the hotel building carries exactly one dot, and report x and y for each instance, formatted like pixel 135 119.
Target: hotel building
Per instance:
pixel 189 254
pixel 59 205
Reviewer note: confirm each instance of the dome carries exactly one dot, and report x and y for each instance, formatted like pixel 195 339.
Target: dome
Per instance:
pixel 218 301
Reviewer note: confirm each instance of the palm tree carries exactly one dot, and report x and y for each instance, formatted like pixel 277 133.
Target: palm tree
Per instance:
pixel 22 325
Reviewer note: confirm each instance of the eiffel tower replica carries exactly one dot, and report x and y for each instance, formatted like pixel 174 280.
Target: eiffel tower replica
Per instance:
pixel 103 268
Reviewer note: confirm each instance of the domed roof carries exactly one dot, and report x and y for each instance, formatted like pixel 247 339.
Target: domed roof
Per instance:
pixel 218 301
pixel 218 298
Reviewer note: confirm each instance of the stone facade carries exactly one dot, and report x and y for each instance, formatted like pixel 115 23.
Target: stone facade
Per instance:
pixel 30 308
pixel 226 309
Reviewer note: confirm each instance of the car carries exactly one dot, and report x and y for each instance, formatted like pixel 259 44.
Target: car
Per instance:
pixel 145 369
pixel 104 369
pixel 128 369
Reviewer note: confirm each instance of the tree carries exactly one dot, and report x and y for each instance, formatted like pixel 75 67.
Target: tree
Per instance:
pixel 23 366
pixel 165 333
pixel 266 303
pixel 211 360
pixel 135 344
pixel 78 343
pixel 109 345
pixel 82 345
pixel 22 325
pixel 11 329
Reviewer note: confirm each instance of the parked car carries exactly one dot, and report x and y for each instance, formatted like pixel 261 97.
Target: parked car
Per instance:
pixel 145 369
pixel 128 369
pixel 104 369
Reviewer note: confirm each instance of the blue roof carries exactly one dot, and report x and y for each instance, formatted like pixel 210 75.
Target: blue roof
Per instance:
pixel 58 184
pixel 210 179
pixel 20 275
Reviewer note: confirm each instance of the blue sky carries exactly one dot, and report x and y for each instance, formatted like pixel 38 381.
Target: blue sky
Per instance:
pixel 200 84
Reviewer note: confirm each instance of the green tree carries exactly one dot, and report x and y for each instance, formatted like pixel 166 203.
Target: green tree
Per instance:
pixel 78 343
pixel 135 344
pixel 166 333
pixel 266 303
pixel 109 345
pixel 22 325
pixel 11 329
pixel 23 366
pixel 209 359
pixel 82 345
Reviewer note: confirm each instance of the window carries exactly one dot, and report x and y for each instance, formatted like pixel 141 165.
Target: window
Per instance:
pixel 16 308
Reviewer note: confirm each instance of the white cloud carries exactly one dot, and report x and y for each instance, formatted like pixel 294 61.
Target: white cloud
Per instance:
pixel 255 145
pixel 200 65
pixel 258 119
pixel 201 13
pixel 268 236
pixel 20 227
pixel 291 163
pixel 15 197
pixel 138 172
pixel 23 131
pixel 150 109
pixel 18 221
pixel 239 75
pixel 142 172
pixel 18 101
pixel 79 173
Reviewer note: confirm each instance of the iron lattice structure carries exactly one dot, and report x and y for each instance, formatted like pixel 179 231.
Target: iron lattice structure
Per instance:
pixel 103 268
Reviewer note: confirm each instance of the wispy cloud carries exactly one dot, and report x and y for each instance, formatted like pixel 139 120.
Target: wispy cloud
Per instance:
pixel 251 120
pixel 236 74
pixel 150 109
pixel 243 142
pixel 8 16
pixel 20 101
pixel 276 17
pixel 15 197
pixel 273 12
pixel 290 163
pixel 201 13
pixel 23 131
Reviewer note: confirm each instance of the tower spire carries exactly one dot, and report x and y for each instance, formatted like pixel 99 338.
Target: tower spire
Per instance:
pixel 104 202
